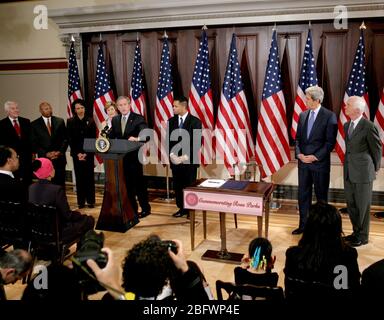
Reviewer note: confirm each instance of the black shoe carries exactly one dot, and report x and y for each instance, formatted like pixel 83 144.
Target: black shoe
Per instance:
pixel 81 206
pixel 143 214
pixel 379 215
pixel 91 205
pixel 357 243
pixel 298 231
pixel 180 213
pixel 349 238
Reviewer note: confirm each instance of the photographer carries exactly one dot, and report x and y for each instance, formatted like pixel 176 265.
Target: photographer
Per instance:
pixel 147 269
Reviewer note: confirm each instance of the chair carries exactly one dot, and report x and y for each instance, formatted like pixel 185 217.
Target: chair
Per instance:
pixel 45 228
pixel 273 295
pixel 13 227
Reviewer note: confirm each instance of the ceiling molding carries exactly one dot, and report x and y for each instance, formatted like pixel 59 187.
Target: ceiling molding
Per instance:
pixel 147 14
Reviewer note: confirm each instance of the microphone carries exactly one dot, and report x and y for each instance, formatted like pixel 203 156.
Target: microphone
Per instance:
pixel 105 130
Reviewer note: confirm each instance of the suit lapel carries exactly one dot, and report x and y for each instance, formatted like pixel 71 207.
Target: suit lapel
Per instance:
pixel 319 119
pixel 358 128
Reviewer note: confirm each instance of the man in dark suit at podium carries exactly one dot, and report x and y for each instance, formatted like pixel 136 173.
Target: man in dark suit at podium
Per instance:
pixel 128 125
pixel 15 132
pixel 315 139
pixel 184 141
pixel 49 140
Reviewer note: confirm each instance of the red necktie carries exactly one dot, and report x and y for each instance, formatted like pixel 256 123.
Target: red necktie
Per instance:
pixel 17 127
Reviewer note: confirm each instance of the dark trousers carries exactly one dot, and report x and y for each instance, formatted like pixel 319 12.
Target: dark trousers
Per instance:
pixel 183 176
pixel 359 197
pixel 307 178
pixel 59 165
pixel 85 180
pixel 136 184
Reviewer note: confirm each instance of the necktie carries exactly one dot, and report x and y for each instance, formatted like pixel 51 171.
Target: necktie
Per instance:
pixel 311 121
pixel 181 122
pixel 123 124
pixel 17 127
pixel 350 129
pixel 49 126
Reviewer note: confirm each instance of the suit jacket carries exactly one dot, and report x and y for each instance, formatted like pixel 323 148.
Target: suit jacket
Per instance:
pixel 44 192
pixel 11 189
pixel 363 152
pixel 135 123
pixel 22 145
pixel 78 130
pixel 42 142
pixel 190 146
pixel 321 140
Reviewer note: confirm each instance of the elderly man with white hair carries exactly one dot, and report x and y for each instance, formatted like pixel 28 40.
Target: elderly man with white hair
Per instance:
pixel 15 132
pixel 362 161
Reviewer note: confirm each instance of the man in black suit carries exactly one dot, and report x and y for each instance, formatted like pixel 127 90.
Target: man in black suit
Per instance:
pixel 49 140
pixel 15 132
pixel 128 125
pixel 184 142
pixel 11 189
pixel 362 162
pixel 315 139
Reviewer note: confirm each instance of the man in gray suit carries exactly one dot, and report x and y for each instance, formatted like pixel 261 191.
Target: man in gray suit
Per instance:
pixel 362 161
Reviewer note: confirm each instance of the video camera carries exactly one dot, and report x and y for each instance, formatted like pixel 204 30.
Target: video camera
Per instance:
pixel 89 247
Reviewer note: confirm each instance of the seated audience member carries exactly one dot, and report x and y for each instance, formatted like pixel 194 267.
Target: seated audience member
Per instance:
pixel 311 264
pixel 14 265
pixel 372 281
pixel 62 285
pixel 257 265
pixel 148 268
pixel 44 192
pixel 11 189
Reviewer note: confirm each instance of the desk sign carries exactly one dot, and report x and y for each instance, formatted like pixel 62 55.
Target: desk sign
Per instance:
pixel 223 202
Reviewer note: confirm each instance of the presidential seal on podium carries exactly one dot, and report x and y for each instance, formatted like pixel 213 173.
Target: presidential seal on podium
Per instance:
pixel 102 144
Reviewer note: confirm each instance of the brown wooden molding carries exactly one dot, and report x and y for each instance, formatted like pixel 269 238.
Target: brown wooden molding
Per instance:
pixel 35 64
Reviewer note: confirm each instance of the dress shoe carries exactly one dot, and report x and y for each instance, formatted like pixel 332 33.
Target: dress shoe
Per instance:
pixel 143 214
pixel 81 206
pixel 180 213
pixel 298 231
pixel 91 205
pixel 349 238
pixel 357 243
pixel 379 215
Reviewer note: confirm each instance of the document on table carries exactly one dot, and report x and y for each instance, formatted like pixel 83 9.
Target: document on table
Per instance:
pixel 212 183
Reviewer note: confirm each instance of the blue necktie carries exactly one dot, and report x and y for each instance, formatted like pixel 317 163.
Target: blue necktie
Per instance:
pixel 181 122
pixel 311 121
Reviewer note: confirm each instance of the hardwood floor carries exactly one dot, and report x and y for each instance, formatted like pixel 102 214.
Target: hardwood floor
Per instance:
pixel 161 222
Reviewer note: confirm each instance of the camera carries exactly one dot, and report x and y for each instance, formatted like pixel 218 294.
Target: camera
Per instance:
pixel 89 247
pixel 170 245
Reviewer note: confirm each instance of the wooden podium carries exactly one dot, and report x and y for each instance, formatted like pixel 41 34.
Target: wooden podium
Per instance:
pixel 116 212
pixel 252 200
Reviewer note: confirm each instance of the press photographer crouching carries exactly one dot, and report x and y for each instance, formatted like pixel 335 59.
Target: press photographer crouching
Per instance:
pixel 152 270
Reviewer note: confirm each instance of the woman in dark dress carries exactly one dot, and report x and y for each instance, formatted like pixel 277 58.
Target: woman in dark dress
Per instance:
pixel 322 265
pixel 79 128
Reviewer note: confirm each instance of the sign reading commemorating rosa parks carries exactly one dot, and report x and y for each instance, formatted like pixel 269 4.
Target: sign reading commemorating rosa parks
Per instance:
pixel 222 202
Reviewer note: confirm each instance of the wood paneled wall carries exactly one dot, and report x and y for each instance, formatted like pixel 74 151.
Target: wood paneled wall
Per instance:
pixel 333 50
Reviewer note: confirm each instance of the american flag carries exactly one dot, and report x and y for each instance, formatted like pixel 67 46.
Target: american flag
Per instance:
pixel 74 91
pixel 137 85
pixel 103 91
pixel 234 142
pixel 164 102
pixel 379 118
pixel 272 146
pixel 308 78
pixel 356 87
pixel 200 98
